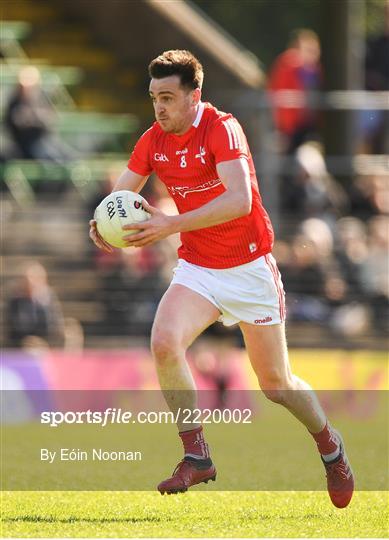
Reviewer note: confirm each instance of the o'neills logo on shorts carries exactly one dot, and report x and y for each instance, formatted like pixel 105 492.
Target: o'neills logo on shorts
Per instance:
pixel 263 321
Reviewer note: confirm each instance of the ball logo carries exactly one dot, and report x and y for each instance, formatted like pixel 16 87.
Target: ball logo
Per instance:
pixel 138 204
pixel 121 210
pixel 111 209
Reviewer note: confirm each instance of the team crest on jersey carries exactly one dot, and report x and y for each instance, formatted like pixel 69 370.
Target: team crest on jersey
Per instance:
pixel 201 155
pixel 184 190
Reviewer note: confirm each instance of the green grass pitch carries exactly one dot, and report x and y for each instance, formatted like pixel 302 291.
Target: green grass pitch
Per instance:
pixel 203 513
pixel 195 514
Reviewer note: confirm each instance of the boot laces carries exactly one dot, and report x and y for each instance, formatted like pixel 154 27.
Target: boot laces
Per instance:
pixel 180 466
pixel 338 472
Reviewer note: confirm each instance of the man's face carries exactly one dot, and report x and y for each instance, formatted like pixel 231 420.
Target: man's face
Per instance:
pixel 174 105
pixel 309 51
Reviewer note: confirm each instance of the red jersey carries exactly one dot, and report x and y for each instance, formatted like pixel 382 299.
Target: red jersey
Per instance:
pixel 288 74
pixel 186 164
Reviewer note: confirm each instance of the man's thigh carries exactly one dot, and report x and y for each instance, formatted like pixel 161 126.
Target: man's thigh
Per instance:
pixel 183 315
pixel 267 350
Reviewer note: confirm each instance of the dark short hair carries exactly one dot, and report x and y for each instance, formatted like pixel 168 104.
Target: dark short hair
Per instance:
pixel 181 63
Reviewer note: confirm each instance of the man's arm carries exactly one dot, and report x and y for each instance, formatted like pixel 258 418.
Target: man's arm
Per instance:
pixel 235 202
pixel 127 180
pixel 130 180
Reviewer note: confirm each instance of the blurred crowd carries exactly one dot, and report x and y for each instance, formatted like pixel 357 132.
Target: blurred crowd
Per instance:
pixel 332 247
pixel 31 120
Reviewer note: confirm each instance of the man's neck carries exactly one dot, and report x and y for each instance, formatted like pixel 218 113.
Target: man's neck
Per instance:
pixel 190 122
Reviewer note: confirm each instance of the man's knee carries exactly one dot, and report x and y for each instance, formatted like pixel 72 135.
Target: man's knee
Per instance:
pixel 277 388
pixel 276 395
pixel 165 346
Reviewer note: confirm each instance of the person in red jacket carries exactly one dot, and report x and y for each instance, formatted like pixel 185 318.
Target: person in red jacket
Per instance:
pixel 295 73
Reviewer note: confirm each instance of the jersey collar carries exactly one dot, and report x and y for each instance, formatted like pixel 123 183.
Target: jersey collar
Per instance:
pixel 199 114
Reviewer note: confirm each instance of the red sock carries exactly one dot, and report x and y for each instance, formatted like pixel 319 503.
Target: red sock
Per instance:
pixel 194 443
pixel 326 440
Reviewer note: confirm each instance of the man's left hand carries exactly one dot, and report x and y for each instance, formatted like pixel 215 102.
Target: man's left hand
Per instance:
pixel 156 228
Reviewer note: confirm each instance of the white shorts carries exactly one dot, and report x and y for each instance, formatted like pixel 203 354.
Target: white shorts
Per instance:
pixel 251 293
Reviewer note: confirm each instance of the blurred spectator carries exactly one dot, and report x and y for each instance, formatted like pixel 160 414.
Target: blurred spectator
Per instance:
pixel 30 119
pixel 318 232
pixel 131 290
pixel 35 345
pixel 309 190
pixel 369 195
pixel 311 274
pixel 304 279
pixel 214 370
pixel 350 320
pixel 375 271
pixel 351 252
pixel 73 335
pixel 295 73
pixel 33 309
pixel 363 255
pixel 375 123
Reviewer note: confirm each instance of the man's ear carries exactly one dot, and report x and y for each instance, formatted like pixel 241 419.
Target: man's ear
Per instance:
pixel 196 96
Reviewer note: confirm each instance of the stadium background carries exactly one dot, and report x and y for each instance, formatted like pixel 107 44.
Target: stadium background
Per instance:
pixel 329 202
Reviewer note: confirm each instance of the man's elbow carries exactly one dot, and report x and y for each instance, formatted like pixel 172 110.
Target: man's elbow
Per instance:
pixel 245 205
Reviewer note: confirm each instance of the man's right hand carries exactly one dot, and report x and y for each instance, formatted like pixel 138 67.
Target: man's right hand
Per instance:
pixel 96 238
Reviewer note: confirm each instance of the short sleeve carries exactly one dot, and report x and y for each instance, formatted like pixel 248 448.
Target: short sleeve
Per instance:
pixel 139 161
pixel 227 140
